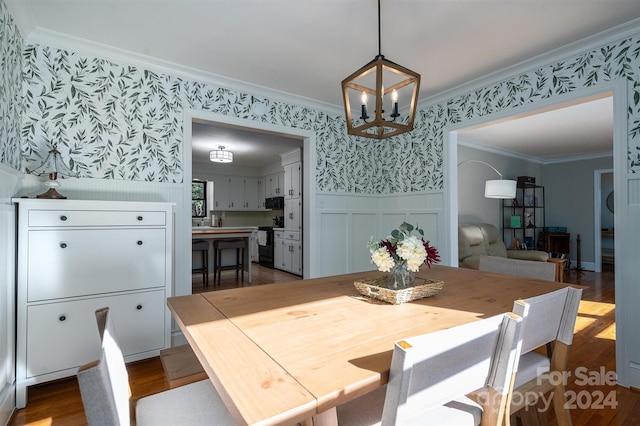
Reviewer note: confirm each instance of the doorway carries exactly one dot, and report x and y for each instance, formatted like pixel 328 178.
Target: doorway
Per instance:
pixel 308 158
pixel 604 218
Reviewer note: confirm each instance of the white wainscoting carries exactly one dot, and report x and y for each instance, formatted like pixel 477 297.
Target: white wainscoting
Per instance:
pixel 347 222
pixel 9 185
pixel 627 273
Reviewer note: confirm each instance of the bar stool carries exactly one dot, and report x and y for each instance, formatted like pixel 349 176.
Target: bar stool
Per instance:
pixel 218 246
pixel 203 247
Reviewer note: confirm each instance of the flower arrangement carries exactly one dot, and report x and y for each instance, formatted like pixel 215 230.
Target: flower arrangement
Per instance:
pixel 401 249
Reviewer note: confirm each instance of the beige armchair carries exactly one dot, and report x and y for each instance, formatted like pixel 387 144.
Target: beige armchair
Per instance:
pixel 483 239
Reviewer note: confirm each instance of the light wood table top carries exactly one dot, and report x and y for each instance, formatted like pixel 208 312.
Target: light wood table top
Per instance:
pixel 281 353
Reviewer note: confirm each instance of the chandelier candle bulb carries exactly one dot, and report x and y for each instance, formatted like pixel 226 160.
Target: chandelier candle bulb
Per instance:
pixel 394 100
pixel 364 106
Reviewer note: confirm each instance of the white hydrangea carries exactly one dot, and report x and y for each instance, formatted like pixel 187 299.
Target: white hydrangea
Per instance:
pixel 382 259
pixel 413 252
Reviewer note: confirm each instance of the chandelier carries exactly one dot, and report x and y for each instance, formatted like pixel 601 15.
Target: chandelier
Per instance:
pixel 387 83
pixel 220 155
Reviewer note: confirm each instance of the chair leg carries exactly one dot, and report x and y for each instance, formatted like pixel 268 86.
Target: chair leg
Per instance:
pixel 205 267
pixel 559 363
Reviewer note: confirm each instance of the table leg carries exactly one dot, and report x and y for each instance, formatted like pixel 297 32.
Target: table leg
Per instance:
pixel 326 418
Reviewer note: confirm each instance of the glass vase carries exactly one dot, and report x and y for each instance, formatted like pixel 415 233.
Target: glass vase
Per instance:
pixel 400 277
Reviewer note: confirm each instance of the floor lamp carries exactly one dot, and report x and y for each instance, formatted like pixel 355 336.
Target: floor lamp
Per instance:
pixel 498 188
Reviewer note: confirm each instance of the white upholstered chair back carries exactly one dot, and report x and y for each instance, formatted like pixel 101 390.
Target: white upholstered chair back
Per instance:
pixel 549 317
pixel 104 384
pixel 522 268
pixel 550 320
pixel 430 370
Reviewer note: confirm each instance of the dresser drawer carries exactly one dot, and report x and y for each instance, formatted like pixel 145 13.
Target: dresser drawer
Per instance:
pixel 64 335
pixel 76 262
pixel 70 218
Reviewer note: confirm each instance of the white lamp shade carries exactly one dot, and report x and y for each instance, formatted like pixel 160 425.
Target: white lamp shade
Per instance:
pixel 500 189
pixel 221 156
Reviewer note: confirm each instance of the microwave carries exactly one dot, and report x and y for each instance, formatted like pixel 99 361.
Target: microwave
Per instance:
pixel 275 203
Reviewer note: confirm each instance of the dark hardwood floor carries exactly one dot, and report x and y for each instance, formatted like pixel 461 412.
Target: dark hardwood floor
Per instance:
pixel 593 350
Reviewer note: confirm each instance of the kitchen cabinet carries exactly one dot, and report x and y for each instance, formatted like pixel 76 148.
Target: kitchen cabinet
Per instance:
pixel 293 181
pixel 236 193
pixel 274 185
pixel 278 249
pixel 78 256
pixel 255 249
pixel 292 253
pixel 293 215
pixel 251 201
pixel 288 251
pixel 262 192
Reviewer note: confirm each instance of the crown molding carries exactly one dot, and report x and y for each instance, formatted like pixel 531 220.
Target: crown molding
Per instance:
pixel 121 56
pixel 536 160
pixel 611 35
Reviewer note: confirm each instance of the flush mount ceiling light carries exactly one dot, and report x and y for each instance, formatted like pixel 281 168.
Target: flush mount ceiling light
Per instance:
pixel 387 82
pixel 220 155
pixel 498 188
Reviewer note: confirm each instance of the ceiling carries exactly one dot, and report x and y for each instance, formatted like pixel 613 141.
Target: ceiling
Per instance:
pixel 251 148
pixel 307 49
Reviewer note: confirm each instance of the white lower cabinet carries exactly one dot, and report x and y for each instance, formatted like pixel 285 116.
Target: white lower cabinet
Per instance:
pixel 288 251
pixel 278 249
pixel 78 256
pixel 255 248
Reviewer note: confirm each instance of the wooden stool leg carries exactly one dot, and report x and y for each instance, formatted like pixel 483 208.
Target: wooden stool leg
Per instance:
pixel 219 266
pixel 205 267
pixel 237 262
pixel 242 269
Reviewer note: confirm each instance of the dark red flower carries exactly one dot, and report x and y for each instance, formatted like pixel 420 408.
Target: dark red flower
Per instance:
pixel 432 254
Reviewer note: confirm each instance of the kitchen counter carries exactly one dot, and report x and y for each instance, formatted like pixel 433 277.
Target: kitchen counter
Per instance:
pixel 211 233
pixel 218 230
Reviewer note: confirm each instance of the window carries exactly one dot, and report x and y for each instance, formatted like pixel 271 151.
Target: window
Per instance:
pixel 198 199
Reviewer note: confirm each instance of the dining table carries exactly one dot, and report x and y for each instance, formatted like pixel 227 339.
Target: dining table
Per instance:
pixel 291 352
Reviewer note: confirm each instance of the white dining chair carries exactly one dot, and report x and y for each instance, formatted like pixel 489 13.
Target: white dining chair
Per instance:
pixel 431 373
pixel 549 321
pixel 104 387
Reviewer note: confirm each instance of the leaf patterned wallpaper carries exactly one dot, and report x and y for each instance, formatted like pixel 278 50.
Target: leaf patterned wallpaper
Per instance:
pixel 10 89
pixel 116 121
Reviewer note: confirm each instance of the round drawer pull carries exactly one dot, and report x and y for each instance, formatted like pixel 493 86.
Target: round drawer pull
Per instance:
pixel 62 317
pixel 63 245
pixel 139 307
pixel 63 218
pixel 140 218
pixel 139 242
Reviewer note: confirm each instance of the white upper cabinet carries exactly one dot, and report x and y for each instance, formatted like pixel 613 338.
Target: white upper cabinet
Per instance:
pixel 292 181
pixel 251 200
pixel 274 185
pixel 262 192
pixel 236 193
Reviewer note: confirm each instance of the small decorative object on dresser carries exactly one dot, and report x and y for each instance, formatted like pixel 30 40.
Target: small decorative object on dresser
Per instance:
pixel 75 257
pixel 54 167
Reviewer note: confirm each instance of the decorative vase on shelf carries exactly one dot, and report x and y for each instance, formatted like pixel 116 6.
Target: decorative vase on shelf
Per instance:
pixel 400 276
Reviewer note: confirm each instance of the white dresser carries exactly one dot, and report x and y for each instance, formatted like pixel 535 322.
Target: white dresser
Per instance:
pixel 77 256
